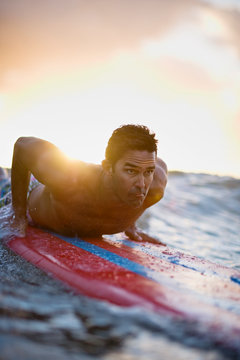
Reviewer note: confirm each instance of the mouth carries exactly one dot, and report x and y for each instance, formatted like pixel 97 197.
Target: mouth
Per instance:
pixel 137 198
pixel 139 195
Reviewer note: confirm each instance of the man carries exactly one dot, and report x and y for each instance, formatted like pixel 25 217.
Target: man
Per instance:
pixel 80 199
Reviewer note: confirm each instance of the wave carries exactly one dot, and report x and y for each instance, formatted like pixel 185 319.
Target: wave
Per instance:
pixel 208 179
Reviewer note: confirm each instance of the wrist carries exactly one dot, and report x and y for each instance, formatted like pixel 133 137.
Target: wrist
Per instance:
pixel 19 214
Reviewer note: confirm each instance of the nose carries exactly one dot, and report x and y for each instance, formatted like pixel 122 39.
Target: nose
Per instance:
pixel 140 182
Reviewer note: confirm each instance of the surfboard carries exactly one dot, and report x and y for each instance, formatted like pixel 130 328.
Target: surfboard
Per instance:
pixel 154 277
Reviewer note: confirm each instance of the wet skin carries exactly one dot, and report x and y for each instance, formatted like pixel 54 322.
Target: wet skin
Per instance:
pixel 76 198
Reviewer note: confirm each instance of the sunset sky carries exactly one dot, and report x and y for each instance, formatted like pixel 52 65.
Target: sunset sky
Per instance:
pixel 72 71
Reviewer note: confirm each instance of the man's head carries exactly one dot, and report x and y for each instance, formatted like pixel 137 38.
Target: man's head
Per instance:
pixel 130 160
pixel 129 137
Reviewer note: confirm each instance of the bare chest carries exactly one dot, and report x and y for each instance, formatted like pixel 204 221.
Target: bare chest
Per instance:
pixel 86 216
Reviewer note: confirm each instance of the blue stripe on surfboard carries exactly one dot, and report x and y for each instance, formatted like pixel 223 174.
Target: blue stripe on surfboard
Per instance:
pixel 173 259
pixel 115 259
pixel 131 265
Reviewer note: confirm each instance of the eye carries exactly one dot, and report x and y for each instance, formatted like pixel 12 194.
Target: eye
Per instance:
pixel 149 172
pixel 131 171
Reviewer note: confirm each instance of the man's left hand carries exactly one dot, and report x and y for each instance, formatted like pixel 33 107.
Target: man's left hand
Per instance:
pixel 137 235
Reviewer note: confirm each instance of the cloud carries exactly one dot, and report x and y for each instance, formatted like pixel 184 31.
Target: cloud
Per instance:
pixel 56 33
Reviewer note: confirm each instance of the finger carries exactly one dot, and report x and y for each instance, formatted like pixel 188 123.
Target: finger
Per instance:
pixel 151 239
pixel 133 236
pixel 138 238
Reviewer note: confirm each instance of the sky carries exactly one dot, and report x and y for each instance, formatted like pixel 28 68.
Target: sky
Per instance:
pixel 73 71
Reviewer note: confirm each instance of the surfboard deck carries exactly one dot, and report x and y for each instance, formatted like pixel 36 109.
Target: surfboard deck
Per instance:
pixel 128 273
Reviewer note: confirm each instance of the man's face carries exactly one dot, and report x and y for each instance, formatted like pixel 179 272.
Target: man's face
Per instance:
pixel 132 176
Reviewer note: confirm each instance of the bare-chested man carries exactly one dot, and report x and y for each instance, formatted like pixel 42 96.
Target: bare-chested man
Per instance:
pixel 75 198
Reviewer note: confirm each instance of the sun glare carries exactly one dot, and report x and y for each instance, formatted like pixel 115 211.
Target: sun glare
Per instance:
pixel 184 85
pixel 197 45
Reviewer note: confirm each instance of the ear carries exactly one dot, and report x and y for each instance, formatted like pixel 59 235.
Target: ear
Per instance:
pixel 107 166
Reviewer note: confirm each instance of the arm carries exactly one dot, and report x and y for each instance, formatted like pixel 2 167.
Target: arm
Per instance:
pixel 45 162
pixel 154 195
pixel 158 185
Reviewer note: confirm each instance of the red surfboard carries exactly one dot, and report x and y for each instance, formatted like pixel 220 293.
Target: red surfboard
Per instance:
pixel 151 276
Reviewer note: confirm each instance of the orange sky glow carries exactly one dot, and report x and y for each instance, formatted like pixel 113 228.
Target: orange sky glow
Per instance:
pixel 74 71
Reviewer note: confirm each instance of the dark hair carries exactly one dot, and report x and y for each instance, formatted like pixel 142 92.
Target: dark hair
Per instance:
pixel 129 137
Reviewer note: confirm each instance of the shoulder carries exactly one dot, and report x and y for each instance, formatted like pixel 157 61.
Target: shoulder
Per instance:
pixel 88 174
pixel 78 177
pixel 81 172
pixel 158 185
pixel 160 174
pixel 161 164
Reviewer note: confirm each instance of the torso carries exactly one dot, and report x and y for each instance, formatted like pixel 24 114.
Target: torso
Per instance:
pixel 81 211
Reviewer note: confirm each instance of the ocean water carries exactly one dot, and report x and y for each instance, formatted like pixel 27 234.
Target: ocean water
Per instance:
pixel 42 319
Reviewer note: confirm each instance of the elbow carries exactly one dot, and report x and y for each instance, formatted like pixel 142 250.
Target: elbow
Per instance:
pixel 19 144
pixel 156 196
pixel 159 195
pixel 23 143
pixel 22 140
pixel 19 152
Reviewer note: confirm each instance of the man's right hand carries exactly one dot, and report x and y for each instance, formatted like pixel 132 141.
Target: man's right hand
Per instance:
pixel 10 224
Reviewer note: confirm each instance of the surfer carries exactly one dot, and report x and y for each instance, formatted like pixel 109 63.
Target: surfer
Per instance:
pixel 75 198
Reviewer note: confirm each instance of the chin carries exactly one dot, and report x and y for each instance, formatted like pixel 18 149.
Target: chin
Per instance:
pixel 136 204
